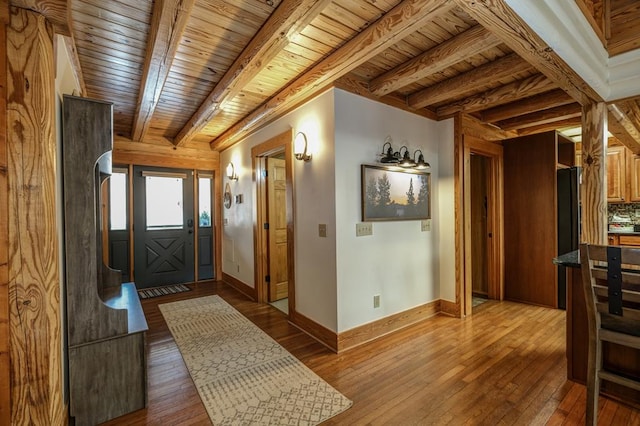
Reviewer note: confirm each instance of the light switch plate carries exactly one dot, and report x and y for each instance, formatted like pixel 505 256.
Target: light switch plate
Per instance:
pixel 322 230
pixel 364 228
pixel 425 225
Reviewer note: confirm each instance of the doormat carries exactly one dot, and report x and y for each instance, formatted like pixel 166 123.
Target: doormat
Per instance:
pixel 148 293
pixel 243 376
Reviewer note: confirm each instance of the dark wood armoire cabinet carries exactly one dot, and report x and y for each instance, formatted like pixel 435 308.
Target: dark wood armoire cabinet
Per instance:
pixel 105 322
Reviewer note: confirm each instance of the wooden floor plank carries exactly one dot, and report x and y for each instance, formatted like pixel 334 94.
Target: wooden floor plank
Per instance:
pixel 505 365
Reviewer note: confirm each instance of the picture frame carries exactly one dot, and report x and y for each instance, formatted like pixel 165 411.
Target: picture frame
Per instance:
pixel 392 193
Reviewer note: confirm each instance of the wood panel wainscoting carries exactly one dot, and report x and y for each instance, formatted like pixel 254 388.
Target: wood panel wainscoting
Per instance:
pixel 503 365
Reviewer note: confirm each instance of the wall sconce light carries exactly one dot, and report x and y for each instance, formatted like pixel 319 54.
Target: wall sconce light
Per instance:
pixel 231 172
pixel 420 164
pixel 300 147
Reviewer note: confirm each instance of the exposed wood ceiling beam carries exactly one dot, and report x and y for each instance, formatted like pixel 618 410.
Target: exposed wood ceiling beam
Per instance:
pixel 442 56
pixel 508 93
pixel 360 86
pixel 623 124
pixel 545 116
pixel 500 19
pixel 167 26
pixel 485 131
pixel 467 82
pixel 545 100
pixel 569 122
pixel 395 25
pixel 56 12
pixel 291 17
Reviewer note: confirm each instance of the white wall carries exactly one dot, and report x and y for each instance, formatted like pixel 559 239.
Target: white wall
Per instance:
pixel 399 262
pixel 446 206
pixel 337 276
pixel 314 204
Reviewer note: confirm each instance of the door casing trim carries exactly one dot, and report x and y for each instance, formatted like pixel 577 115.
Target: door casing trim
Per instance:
pixel 495 220
pixel 259 153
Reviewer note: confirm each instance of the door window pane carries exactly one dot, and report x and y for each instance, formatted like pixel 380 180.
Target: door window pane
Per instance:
pixel 204 202
pixel 118 201
pixel 164 202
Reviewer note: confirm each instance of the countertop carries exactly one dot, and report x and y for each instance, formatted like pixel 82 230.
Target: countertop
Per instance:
pixel 623 232
pixel 571 259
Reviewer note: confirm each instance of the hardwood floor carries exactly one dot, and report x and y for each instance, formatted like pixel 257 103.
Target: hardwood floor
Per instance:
pixel 505 365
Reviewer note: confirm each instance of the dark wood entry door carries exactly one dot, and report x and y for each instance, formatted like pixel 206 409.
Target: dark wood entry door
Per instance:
pixel 163 226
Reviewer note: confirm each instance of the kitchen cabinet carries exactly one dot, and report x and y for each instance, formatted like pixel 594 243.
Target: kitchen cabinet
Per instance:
pixel 616 175
pixel 633 176
pixel 629 240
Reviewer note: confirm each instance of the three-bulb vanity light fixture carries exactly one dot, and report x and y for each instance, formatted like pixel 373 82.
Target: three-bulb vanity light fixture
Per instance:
pixel 402 157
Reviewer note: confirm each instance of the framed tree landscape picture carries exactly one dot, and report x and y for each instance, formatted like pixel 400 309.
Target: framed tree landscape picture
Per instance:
pixel 389 193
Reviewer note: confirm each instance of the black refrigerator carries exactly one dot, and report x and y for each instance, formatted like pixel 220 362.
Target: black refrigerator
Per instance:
pixel 568 223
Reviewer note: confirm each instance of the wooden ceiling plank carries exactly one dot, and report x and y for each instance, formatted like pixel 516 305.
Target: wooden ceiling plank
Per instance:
pixel 434 60
pixel 622 125
pixel 595 13
pixel 467 82
pixel 289 19
pixel 544 116
pixel 395 25
pixel 500 19
pixel 554 98
pixel 167 26
pixel 504 94
pixel 55 11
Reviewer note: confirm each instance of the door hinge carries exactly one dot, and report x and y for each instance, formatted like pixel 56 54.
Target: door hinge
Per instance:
pixel 267 278
pixel 266 225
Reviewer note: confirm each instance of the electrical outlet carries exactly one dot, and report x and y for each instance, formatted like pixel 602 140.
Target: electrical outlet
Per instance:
pixel 364 228
pixel 425 225
pixel 322 230
pixel 376 301
pixel 238 267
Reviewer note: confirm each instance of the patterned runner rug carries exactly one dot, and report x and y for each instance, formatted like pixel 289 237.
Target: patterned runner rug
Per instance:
pixel 148 293
pixel 243 376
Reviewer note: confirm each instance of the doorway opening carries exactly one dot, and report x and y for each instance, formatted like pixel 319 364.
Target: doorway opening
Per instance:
pixel 483 223
pixel 274 248
pixel 480 237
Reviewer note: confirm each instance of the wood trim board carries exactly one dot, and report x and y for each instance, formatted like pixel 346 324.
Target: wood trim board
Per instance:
pixel 373 330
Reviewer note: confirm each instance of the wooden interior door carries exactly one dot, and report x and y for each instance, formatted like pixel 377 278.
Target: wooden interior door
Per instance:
pixel 479 228
pixel 277 211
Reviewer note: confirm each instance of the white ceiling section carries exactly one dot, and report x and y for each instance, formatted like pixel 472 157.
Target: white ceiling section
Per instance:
pixel 561 24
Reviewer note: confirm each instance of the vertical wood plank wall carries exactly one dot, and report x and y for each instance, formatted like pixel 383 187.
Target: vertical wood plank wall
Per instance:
pixel 594 168
pixel 5 388
pixel 34 273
